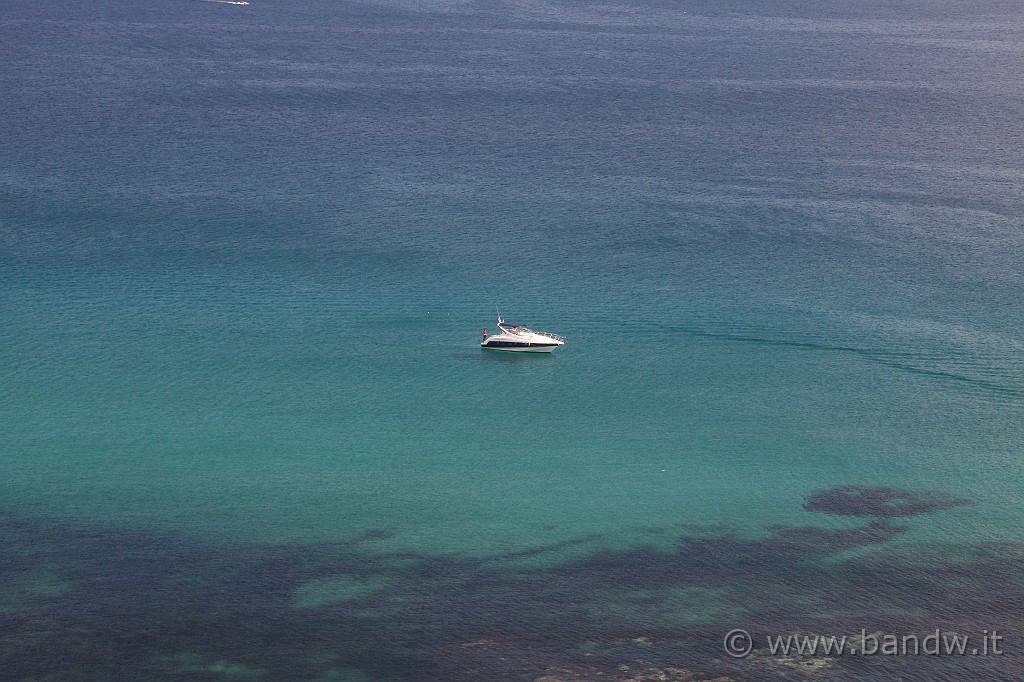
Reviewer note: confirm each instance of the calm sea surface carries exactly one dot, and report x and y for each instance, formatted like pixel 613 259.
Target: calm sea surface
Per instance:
pixel 246 252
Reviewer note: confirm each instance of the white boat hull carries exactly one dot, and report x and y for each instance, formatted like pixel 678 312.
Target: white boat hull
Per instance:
pixel 515 338
pixel 520 349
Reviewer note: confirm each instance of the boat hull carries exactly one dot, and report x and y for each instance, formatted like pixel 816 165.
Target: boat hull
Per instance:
pixel 515 338
pixel 521 349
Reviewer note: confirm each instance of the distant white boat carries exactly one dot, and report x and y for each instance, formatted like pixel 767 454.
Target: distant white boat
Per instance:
pixel 229 2
pixel 517 338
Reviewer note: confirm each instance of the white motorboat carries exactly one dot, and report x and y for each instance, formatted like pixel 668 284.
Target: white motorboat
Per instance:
pixel 517 338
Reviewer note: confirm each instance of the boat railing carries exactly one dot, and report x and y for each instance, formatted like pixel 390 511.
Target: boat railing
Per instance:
pixel 557 337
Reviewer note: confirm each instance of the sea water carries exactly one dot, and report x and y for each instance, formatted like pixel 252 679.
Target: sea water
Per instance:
pixel 248 251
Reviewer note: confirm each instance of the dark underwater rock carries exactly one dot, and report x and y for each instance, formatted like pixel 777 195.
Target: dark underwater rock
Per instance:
pixel 859 500
pixel 566 660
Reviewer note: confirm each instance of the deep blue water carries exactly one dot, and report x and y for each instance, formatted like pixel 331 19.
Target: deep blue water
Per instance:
pixel 246 252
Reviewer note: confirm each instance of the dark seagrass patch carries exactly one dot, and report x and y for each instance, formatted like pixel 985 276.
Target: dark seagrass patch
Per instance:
pixel 879 501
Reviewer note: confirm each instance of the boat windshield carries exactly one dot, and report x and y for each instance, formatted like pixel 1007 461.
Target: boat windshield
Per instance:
pixel 510 328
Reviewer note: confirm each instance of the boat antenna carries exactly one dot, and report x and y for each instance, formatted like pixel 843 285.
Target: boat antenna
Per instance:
pixel 499 314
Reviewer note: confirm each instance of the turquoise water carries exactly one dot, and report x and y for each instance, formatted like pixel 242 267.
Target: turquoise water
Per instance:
pixel 247 253
pixel 302 407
